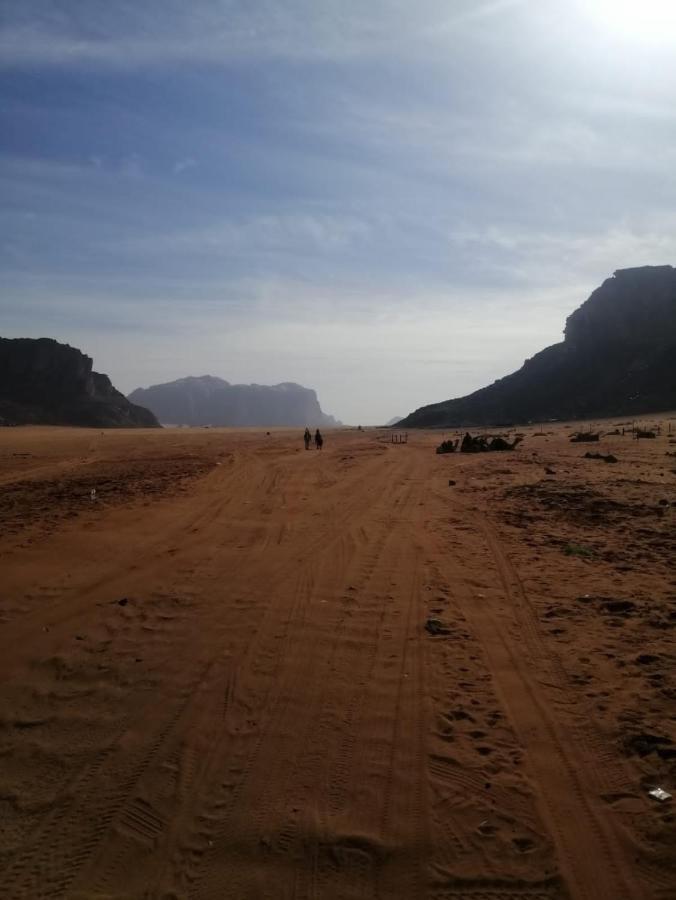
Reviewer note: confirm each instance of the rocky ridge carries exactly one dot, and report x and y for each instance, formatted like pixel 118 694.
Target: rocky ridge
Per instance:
pixel 207 400
pixel 618 357
pixel 43 382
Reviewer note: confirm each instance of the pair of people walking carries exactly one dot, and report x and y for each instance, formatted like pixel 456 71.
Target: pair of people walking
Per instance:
pixel 319 440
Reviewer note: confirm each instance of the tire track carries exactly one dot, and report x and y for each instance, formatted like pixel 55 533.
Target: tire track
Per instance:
pixel 584 841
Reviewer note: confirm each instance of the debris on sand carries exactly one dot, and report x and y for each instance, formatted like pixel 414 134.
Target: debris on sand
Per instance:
pixel 606 457
pixel 660 794
pixel 585 437
pixel 436 626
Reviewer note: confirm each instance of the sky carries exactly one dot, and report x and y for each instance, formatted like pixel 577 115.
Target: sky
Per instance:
pixel 393 203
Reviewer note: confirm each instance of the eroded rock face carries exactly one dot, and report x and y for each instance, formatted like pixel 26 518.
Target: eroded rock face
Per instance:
pixel 207 400
pixel 635 308
pixel 44 382
pixel 618 358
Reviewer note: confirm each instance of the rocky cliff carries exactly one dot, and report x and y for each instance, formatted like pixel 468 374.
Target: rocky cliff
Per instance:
pixel 212 401
pixel 43 382
pixel 618 358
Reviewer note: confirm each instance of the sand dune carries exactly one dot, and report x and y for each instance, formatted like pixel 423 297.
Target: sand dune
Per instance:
pixel 218 683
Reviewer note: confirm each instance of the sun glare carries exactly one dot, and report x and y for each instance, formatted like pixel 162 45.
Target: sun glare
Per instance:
pixel 643 20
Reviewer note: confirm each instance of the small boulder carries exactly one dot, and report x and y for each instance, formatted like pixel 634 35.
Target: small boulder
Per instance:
pixel 436 626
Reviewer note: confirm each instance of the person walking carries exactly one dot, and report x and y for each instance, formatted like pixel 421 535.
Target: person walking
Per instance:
pixel 307 437
pixel 319 440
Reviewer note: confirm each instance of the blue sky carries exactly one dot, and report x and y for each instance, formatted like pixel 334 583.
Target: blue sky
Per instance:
pixel 391 202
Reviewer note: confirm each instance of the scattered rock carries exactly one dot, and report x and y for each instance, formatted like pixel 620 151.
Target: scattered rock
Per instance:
pixel 523 844
pixel 460 715
pixel 618 607
pixel 644 743
pixel 122 601
pixel 436 626
pixel 609 458
pixel 578 550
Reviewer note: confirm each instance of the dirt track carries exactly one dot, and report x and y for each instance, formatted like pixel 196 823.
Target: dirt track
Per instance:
pixel 217 682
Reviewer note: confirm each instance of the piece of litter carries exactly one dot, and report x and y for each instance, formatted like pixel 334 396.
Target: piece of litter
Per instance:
pixel 659 794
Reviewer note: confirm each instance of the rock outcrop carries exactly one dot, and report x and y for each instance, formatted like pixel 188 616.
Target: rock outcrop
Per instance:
pixel 43 382
pixel 208 400
pixel 618 358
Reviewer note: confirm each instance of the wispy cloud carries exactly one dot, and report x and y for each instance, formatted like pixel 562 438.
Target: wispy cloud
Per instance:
pixel 212 31
pixel 543 258
pixel 182 165
pixel 299 232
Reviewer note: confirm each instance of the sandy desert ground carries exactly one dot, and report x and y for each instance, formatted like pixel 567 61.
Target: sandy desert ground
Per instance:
pixel 218 681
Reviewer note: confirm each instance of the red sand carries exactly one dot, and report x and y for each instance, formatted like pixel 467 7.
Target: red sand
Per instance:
pixel 217 682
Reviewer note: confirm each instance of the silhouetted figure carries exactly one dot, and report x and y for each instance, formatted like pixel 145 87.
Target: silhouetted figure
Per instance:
pixel 319 440
pixel 307 437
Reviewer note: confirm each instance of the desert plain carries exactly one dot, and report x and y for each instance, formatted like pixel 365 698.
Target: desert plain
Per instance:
pixel 232 668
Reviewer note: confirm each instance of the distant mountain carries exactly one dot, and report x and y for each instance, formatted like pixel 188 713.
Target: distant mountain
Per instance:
pixel 395 421
pixel 618 358
pixel 43 382
pixel 208 400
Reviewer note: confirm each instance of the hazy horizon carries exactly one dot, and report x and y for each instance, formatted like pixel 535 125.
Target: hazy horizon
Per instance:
pixel 391 204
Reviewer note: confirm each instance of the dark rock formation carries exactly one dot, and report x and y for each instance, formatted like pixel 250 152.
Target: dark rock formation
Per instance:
pixel 618 358
pixel 608 458
pixel 213 401
pixel 43 382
